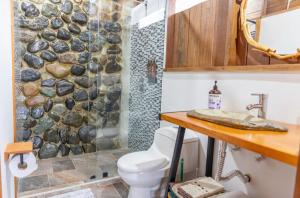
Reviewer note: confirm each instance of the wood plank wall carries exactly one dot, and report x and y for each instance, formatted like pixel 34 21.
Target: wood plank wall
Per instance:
pixel 208 37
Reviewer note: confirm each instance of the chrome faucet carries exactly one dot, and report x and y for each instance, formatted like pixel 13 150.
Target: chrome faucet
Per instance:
pixel 260 106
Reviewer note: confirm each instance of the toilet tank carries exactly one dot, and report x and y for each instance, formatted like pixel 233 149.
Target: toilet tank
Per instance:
pixel 164 141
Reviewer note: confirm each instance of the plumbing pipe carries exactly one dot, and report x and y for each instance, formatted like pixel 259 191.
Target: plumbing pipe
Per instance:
pixel 220 166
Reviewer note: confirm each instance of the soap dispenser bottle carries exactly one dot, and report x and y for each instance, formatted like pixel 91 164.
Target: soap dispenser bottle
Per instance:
pixel 215 98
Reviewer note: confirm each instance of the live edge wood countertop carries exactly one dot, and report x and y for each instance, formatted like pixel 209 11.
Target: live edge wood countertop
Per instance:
pixel 282 146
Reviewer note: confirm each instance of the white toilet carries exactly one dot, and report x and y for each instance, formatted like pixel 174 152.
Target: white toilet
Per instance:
pixel 143 171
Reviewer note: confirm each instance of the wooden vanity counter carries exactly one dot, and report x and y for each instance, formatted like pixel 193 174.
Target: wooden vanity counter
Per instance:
pixel 282 146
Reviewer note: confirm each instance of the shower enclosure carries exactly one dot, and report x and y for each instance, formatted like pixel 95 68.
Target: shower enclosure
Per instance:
pixel 71 78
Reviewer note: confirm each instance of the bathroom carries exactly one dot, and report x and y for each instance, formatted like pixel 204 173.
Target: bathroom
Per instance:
pixel 155 67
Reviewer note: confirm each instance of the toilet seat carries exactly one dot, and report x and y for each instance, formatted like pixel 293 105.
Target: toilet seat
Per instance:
pixel 143 161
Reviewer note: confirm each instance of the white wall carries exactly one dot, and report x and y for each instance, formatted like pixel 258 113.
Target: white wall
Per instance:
pixel 186 91
pixel 6 106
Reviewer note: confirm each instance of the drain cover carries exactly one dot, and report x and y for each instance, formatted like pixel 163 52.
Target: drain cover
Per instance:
pixel 105 174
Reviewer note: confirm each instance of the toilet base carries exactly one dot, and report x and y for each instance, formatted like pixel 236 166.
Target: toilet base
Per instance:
pixel 139 192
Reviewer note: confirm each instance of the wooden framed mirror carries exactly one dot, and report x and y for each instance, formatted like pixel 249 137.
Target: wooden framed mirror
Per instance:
pixel 273 34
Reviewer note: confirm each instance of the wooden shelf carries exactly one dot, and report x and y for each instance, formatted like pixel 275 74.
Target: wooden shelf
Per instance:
pixel 244 68
pixel 17 148
pixel 281 146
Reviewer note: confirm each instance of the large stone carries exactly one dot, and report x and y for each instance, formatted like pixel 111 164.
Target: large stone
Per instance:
pixel 43 125
pixel 63 34
pixel 87 36
pixel 95 47
pixel 29 75
pixel 64 150
pixel 94 67
pixel 30 89
pixel 89 148
pixel 68 58
pixel 26 36
pixel 115 16
pixel 87 133
pixel 87 106
pixel 70 103
pixel 73 28
pixel 48 150
pixel 66 7
pixel 84 81
pixel 37 112
pixel 76 149
pixel 51 135
pixel 111 106
pixel 37 142
pixel 33 61
pixel 113 93
pixel 80 95
pixel 73 138
pixel 97 80
pixel 49 35
pixel 111 79
pixel 114 38
pixel 114 49
pixel 84 57
pixel 72 119
pixel 48 82
pixel 77 70
pixel 22 112
pixel 54 116
pixel 93 93
pixel 77 45
pixel 80 18
pixel 64 134
pixel 58 71
pixel 50 10
pixel 90 8
pixel 112 27
pixel 65 18
pixel 48 56
pixel 24 134
pixel 64 87
pixel 35 101
pixel 56 23
pixel 94 25
pixel 37 46
pixel 59 109
pixel 48 91
pixel 29 123
pixel 112 67
pixel 48 105
pixel 60 47
pixel 112 120
pixel 31 11
pixel 38 23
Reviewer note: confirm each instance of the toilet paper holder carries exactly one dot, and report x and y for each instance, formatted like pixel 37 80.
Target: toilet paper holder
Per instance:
pixel 18 148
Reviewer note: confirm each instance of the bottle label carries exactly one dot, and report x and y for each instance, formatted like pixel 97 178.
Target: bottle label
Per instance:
pixel 214 101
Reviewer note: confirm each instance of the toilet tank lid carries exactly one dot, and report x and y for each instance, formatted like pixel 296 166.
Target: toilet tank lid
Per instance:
pixel 171 132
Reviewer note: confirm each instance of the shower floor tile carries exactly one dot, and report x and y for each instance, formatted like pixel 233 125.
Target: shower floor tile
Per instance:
pixel 57 173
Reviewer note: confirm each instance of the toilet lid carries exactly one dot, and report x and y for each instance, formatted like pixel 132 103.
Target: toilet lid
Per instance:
pixel 142 161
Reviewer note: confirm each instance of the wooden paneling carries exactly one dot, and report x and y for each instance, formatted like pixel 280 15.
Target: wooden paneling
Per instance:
pixel 255 57
pixel 181 38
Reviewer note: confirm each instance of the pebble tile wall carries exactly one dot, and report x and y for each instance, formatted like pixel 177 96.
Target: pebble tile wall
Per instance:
pixel 147 45
pixel 68 66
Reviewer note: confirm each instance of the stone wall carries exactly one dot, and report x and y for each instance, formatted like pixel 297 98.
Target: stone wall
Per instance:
pixel 68 61
pixel 146 71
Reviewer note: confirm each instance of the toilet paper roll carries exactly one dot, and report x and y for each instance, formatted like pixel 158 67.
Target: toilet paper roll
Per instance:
pixel 17 171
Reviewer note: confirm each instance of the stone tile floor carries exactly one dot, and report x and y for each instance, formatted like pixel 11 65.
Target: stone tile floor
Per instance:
pixel 58 173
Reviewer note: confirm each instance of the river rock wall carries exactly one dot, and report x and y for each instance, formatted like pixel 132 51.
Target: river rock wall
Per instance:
pixel 68 62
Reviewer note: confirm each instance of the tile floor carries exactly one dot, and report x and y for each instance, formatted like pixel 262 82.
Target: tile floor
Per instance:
pixel 58 173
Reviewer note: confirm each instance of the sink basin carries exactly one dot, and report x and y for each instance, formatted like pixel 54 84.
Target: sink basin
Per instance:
pixel 237 120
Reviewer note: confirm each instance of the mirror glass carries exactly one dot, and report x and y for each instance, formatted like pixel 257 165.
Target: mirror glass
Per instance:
pixel 273 24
